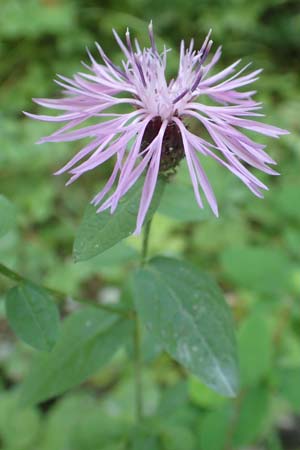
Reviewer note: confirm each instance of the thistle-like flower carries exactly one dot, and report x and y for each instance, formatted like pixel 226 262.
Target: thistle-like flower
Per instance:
pixel 152 136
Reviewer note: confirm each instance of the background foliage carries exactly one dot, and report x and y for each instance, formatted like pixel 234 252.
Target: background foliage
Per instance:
pixel 253 249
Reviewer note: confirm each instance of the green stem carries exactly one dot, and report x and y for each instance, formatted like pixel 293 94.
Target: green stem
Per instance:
pixel 137 336
pixel 14 276
pixel 145 243
pixel 8 273
pixel 138 372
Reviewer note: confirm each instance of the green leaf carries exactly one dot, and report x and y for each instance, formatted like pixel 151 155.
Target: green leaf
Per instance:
pixel 291 238
pixel 177 437
pixel 144 437
pixel 98 232
pixel 33 315
pixel 202 395
pixel 173 400
pixel 289 382
pixel 68 428
pixel 19 427
pixel 7 215
pixel 269 268
pixel 214 429
pixel 88 339
pixel 236 424
pixel 252 415
pixel 286 200
pixel 186 311
pixel 255 349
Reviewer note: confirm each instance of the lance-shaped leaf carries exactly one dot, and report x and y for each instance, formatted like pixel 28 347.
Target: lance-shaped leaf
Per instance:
pixel 98 232
pixel 33 315
pixel 186 311
pixel 88 340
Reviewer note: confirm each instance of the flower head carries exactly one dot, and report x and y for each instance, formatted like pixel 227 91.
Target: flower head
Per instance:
pixel 153 137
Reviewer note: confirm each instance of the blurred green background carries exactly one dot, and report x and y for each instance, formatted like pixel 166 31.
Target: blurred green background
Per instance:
pixel 253 250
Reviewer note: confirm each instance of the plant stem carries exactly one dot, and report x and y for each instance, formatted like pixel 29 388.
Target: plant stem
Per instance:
pixel 137 336
pixel 8 273
pixel 145 243
pixel 14 276
pixel 138 372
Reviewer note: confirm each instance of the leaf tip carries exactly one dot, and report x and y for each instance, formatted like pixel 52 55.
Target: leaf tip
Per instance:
pixel 230 384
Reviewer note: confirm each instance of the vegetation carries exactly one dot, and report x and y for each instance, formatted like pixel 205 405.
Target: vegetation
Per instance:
pixel 252 250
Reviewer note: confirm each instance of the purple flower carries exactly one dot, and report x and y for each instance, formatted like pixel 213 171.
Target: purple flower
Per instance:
pixel 152 136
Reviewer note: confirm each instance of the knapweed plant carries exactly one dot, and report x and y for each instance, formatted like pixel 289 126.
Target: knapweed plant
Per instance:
pixel 131 114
